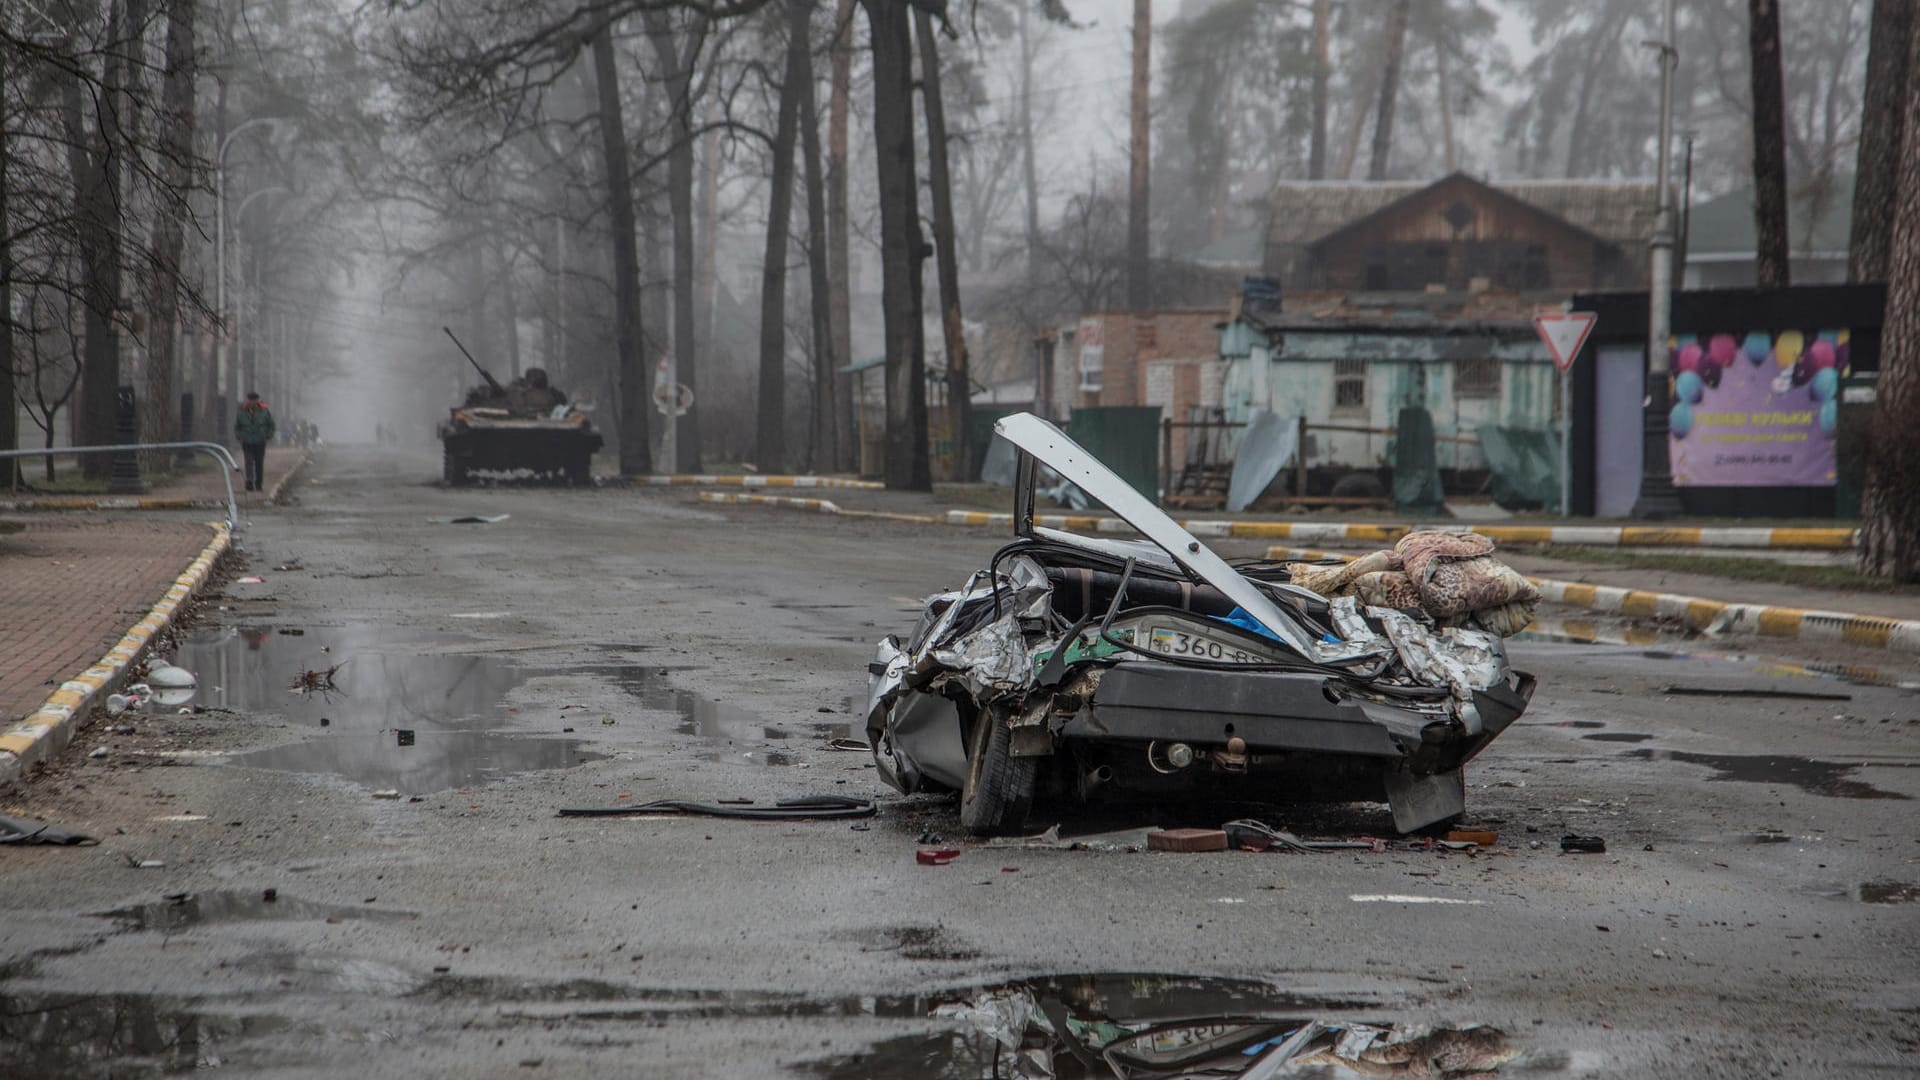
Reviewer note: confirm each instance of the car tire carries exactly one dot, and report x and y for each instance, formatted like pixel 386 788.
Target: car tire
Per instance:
pixel 999 788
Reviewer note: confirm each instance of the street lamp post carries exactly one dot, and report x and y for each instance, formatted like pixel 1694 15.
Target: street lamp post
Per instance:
pixel 220 374
pixel 240 303
pixel 1658 498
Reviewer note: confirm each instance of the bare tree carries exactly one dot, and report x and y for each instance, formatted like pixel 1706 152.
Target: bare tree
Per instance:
pixel 1882 119
pixel 1769 142
pixel 940 182
pixel 826 350
pixel 902 247
pixel 1317 152
pixel 161 415
pixel 1889 513
pixel 840 83
pixel 770 448
pixel 636 456
pixel 1396 44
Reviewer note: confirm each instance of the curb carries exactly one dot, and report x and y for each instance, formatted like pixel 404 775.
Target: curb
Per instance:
pixel 709 480
pixel 47 730
pixel 818 506
pixel 124 502
pixel 1711 617
pixel 287 478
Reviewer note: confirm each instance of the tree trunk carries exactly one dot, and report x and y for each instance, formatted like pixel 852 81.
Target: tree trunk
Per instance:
pixel 1446 104
pixel 1140 163
pixel 636 457
pixel 160 419
pixel 676 70
pixel 1889 513
pixel 1882 118
pixel 1769 143
pixel 1317 151
pixel 821 447
pixel 846 454
pixel 97 199
pixel 9 404
pixel 901 246
pixel 1389 88
pixel 940 184
pixel 770 444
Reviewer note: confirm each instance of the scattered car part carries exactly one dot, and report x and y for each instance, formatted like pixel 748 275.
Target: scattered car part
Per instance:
pixel 810 808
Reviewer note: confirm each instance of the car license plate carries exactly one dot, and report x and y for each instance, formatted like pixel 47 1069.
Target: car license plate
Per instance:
pixel 1171 641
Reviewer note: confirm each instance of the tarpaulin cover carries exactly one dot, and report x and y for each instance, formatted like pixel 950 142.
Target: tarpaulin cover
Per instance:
pixel 1266 447
pixel 1525 465
pixel 1416 467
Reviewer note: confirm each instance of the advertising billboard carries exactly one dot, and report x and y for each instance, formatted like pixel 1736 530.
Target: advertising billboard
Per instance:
pixel 1756 409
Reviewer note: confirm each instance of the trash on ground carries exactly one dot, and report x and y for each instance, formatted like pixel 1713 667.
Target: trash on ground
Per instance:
pixel 811 808
pixel 1753 692
pixel 1187 840
pixel 1588 844
pixel 859 745
pixel 98 752
pixel 386 793
pixel 935 856
pixel 1096 665
pixel 1481 837
pixel 287 566
pixel 162 675
pixel 15 830
pixel 132 697
pixel 254 579
pixel 471 519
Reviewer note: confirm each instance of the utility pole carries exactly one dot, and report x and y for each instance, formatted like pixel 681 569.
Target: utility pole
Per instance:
pixel 1658 499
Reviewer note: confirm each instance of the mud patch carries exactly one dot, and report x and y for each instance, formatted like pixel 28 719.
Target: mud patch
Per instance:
pixel 1889 892
pixel 1827 778
pixel 185 911
pixel 917 943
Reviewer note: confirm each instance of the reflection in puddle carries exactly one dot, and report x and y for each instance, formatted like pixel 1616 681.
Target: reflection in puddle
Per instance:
pixel 1814 777
pixel 703 718
pixel 437 760
pixel 121 1035
pixel 382 681
pixel 201 909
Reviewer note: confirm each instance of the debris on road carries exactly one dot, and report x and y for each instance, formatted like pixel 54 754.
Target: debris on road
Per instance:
pixel 857 745
pixel 162 675
pixel 1187 840
pixel 1753 692
pixel 1093 664
pixel 811 808
pixel 15 830
pixel 1587 844
pixel 471 519
pixel 935 856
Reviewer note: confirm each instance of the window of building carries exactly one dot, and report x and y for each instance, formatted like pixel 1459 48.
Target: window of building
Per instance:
pixel 1478 377
pixel 1349 385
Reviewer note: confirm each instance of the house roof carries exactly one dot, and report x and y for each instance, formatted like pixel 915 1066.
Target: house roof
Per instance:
pixel 1817 221
pixel 1305 212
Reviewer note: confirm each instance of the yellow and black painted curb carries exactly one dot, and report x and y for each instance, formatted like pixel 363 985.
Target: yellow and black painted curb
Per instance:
pixel 755 481
pixel 47 730
pixel 110 502
pixel 818 506
pixel 1702 615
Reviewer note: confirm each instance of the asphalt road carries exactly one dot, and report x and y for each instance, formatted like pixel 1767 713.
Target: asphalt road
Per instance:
pixel 1752 915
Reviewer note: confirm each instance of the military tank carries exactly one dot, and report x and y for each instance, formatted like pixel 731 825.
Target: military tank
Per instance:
pixel 527 427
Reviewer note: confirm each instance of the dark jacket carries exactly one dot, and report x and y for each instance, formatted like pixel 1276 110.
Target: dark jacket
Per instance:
pixel 253 423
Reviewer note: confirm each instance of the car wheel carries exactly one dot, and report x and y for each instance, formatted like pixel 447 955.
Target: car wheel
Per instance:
pixel 999 787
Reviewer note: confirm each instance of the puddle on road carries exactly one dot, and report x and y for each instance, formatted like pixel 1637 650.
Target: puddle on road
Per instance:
pixel 230 906
pixel 703 718
pixel 1771 667
pixel 1618 736
pixel 383 680
pixel 82 1036
pixel 1814 777
pixel 437 760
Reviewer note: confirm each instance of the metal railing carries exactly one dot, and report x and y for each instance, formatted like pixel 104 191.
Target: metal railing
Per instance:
pixel 220 454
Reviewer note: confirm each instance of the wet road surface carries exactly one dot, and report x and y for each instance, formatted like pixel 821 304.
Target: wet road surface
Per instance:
pixel 343 858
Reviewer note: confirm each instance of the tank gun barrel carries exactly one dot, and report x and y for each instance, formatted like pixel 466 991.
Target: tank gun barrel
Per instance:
pixel 484 373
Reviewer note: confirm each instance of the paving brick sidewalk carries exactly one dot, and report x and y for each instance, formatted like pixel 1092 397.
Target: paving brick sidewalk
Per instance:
pixel 71 586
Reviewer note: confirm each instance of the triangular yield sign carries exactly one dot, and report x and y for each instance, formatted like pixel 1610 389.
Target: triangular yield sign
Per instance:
pixel 1564 333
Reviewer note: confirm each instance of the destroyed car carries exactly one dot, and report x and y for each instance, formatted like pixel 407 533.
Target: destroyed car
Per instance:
pixel 1073 667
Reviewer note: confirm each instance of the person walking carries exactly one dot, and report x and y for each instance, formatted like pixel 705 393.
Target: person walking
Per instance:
pixel 253 426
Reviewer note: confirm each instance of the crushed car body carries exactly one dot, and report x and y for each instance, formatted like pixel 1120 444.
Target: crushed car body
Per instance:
pixel 1072 667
